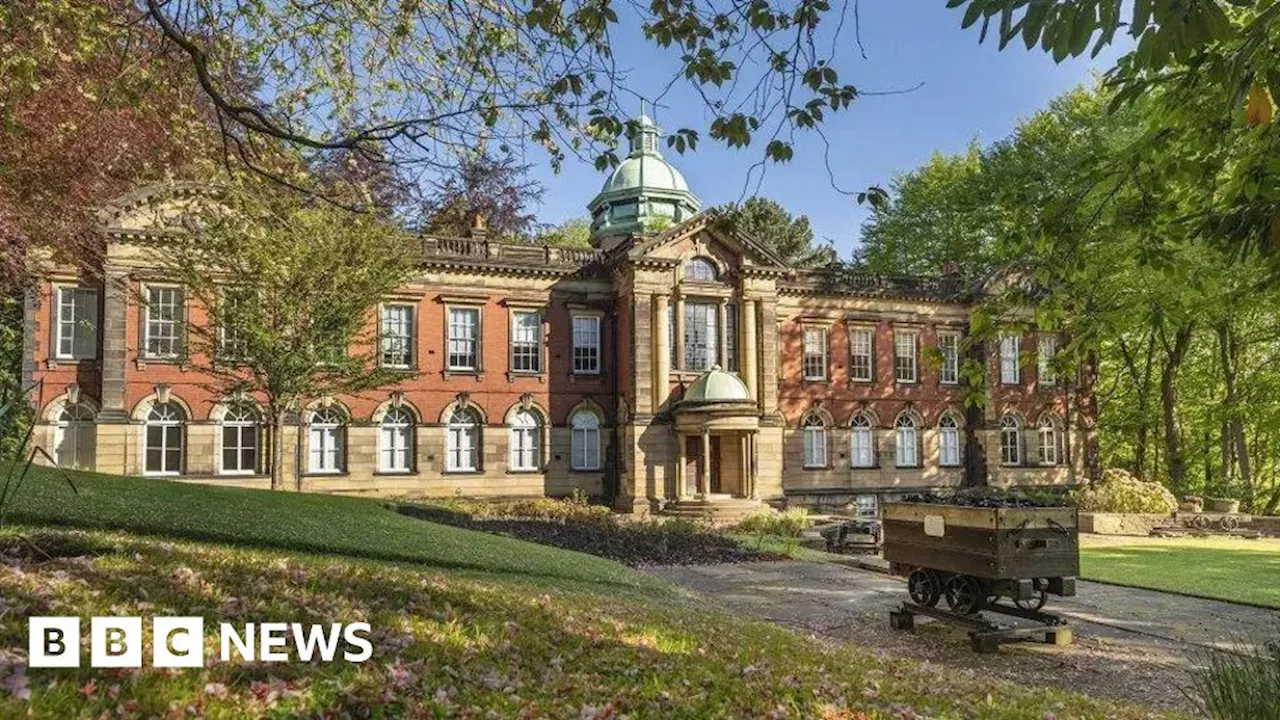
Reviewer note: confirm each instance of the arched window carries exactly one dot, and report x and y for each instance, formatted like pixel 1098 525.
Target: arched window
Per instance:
pixel 328 441
pixel 701 270
pixel 526 441
pixel 463 442
pixel 164 439
pixel 75 438
pixel 948 442
pixel 1010 441
pixel 240 440
pixel 586 440
pixel 1048 434
pixel 815 443
pixel 862 443
pixel 906 443
pixel 395 441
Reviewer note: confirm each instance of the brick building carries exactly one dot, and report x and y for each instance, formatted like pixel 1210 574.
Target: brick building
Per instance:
pixel 682 369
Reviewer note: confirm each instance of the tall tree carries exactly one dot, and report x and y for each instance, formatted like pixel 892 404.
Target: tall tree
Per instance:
pixel 766 220
pixel 495 190
pixel 287 290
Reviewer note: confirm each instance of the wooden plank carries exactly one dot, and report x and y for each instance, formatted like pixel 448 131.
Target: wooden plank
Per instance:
pixel 952 515
pixel 1050 518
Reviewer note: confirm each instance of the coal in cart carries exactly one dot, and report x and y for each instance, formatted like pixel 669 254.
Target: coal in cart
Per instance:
pixel 976 558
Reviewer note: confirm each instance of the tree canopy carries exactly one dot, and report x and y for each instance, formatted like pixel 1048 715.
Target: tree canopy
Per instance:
pixel 766 220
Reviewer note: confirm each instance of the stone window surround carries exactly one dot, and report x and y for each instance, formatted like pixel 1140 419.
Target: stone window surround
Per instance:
pixel 585 311
pixel 414 323
pixel 869 327
pixel 528 306
pixel 143 357
pixel 901 328
pixel 464 302
pixel 823 324
pixel 953 331
pixel 1042 362
pixel 56 358
pixel 686 291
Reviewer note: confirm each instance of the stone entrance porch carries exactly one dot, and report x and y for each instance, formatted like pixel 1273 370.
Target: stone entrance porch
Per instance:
pixel 716 426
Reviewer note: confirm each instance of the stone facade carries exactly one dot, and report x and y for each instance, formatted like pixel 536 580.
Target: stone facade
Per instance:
pixel 665 308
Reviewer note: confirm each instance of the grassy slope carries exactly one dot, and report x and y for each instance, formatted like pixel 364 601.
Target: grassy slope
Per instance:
pixel 508 627
pixel 1226 568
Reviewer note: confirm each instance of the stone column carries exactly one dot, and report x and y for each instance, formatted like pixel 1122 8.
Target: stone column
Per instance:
pixel 744 464
pixel 751 463
pixel 662 352
pixel 682 482
pixel 679 332
pixel 748 348
pixel 722 342
pixel 115 308
pixel 704 466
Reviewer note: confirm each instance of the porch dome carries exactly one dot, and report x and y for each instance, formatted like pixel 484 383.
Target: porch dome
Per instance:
pixel 716 386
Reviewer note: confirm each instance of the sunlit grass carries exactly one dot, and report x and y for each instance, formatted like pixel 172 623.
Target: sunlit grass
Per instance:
pixel 1233 569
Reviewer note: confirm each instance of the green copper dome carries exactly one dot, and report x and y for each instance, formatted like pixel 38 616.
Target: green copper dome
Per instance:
pixel 645 193
pixel 716 386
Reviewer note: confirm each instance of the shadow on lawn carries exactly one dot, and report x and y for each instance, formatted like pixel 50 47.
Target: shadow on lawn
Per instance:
pixel 637 545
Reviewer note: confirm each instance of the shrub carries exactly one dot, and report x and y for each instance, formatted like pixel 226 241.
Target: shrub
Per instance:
pixel 574 509
pixel 1120 492
pixel 790 523
pixel 1239 684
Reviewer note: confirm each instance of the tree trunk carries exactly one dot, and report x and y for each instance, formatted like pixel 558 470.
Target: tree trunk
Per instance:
pixel 1175 452
pixel 277 449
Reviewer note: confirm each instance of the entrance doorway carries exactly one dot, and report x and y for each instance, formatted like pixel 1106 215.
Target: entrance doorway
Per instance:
pixel 693 463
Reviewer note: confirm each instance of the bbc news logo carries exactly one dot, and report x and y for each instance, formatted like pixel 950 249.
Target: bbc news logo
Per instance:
pixel 178 642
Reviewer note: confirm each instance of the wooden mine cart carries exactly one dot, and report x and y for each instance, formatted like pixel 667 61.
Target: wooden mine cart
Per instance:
pixel 972 556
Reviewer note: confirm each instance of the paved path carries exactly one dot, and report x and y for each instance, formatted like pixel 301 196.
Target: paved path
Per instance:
pixel 1131 644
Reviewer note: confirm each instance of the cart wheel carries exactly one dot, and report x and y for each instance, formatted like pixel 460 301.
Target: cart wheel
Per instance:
pixel 923 587
pixel 965 595
pixel 1200 522
pixel 1229 522
pixel 1035 602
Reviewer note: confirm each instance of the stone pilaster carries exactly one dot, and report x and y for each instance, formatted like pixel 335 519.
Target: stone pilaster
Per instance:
pixel 679 332
pixel 768 341
pixel 115 309
pixel 30 328
pixel 661 352
pixel 748 350
pixel 722 342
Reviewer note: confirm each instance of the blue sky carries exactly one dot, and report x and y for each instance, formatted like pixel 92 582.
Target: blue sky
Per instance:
pixel 969 91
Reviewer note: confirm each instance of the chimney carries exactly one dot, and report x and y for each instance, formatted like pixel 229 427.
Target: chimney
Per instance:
pixel 479 226
pixel 950 269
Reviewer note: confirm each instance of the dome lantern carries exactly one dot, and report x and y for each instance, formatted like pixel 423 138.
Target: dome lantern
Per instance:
pixel 645 193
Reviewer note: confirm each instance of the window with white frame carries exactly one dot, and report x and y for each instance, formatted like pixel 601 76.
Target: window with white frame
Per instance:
pixel 904 355
pixel 948 442
pixel 77 326
pixel 162 322
pixel 815 353
pixel 1010 441
pixel 397 335
pixel 701 335
pixel 1010 369
pixel 815 442
pixel 1046 349
pixel 464 339
pixel 240 434
pixel 395 441
pixel 701 270
pixel 526 441
pixel 868 506
pixel 586 344
pixel 75 438
pixel 164 439
pixel 231 333
pixel 1048 435
pixel 906 443
pixel 860 354
pixel 586 440
pixel 327 436
pixel 949 348
pixel 862 452
pixel 526 341
pixel 462 451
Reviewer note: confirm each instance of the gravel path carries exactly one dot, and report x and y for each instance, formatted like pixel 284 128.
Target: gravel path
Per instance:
pixel 1130 644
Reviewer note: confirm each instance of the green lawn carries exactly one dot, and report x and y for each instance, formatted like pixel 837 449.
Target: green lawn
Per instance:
pixel 464 624
pixel 1232 569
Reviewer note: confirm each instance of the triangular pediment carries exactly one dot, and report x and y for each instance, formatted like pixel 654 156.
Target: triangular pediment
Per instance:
pixel 157 209
pixel 706 234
